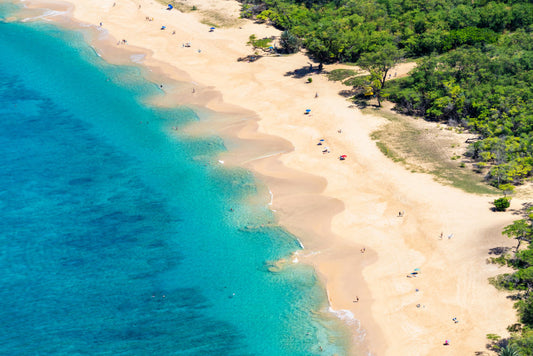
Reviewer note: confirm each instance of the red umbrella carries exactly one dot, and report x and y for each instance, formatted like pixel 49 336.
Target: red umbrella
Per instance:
pixel 343 157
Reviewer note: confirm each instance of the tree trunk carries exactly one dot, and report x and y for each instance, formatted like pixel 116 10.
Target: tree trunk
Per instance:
pixel 384 78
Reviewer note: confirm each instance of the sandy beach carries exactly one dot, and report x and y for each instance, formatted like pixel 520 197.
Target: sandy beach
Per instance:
pixel 346 213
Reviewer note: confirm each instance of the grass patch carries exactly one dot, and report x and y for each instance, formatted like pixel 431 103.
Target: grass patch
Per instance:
pixel 387 152
pixel 216 19
pixel 338 75
pixel 208 17
pixel 178 5
pixel 262 43
pixel 357 81
pixel 426 151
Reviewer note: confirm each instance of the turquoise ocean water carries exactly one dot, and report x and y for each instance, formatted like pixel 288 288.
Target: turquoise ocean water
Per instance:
pixel 117 235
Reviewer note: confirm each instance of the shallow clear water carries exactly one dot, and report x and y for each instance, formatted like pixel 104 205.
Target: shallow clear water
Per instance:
pixel 117 235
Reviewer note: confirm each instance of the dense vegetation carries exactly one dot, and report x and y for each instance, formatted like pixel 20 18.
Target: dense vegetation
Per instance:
pixel 521 282
pixel 345 29
pixel 487 89
pixel 475 63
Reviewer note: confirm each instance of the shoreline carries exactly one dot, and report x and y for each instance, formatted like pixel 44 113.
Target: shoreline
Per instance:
pixel 351 204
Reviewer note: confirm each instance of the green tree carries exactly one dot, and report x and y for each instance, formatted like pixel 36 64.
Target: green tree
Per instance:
pixel 378 65
pixel 524 280
pixel 506 189
pixel 289 42
pixel 519 230
pixel 501 204
pixel 524 343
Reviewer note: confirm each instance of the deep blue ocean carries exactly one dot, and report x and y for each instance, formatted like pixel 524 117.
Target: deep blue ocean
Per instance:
pixel 117 234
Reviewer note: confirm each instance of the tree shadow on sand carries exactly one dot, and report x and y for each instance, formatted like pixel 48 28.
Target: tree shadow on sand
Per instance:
pixel 523 211
pixel 250 58
pixel 348 93
pixel 304 71
pixel 498 250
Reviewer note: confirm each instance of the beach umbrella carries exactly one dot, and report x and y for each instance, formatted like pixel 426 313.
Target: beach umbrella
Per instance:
pixel 343 157
pixel 417 269
pixel 163 27
pixel 170 7
pixel 307 111
pixel 212 28
pixel 322 140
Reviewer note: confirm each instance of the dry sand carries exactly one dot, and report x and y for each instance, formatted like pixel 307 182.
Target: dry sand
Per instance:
pixel 334 207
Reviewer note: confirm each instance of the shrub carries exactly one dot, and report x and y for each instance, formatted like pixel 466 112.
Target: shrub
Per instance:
pixel 501 204
pixel 261 43
pixel 509 351
pixel 289 43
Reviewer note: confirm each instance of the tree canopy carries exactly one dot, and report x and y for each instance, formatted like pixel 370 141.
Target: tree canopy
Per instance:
pixel 378 65
pixel 521 280
pixel 486 89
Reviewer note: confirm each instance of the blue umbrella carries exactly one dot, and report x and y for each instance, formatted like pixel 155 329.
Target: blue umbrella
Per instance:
pixel 163 27
pixel 170 7
pixel 307 111
pixel 212 28
pixel 322 140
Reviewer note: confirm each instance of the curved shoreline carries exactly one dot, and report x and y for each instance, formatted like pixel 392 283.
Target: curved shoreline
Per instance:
pixel 337 208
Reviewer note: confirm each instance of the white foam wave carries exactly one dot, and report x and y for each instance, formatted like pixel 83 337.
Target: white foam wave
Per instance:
pixel 220 161
pixel 137 58
pixel 345 315
pixel 313 253
pixel 45 15
pixel 264 156
pixel 348 318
